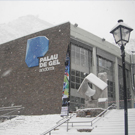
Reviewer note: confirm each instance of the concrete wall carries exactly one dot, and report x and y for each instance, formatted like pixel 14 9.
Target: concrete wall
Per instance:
pixel 38 92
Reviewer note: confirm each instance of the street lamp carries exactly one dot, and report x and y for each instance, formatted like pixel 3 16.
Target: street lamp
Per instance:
pixel 121 33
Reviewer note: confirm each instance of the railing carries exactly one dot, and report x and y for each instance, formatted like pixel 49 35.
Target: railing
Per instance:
pixel 53 128
pixel 61 120
pixel 67 120
pixel 98 116
pixel 9 111
pixel 102 113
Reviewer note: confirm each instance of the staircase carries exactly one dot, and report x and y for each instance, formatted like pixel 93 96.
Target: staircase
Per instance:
pixel 111 124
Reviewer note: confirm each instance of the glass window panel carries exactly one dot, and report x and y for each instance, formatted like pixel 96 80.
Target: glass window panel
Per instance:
pixel 111 83
pixel 77 55
pixel 77 58
pixel 101 70
pixel 87 64
pixel 82 51
pixel 78 80
pixel 72 107
pixel 100 62
pixel 73 55
pixel 73 47
pixel 73 78
pixel 77 49
pixel 82 100
pixel 111 89
pixel 83 60
pixel 73 60
pixel 109 65
pixel 82 57
pixel 83 75
pixel 77 86
pixel 134 79
pixel 82 80
pixel 86 52
pixel 72 72
pixel 103 63
pixel 111 95
pixel 72 98
pixel 78 73
pixel 73 85
pixel 125 34
pixel 77 100
pixel 116 35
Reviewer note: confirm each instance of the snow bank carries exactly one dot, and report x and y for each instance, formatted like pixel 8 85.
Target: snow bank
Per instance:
pixel 28 125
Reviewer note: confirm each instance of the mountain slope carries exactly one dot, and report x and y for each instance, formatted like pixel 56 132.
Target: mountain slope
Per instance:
pixel 21 27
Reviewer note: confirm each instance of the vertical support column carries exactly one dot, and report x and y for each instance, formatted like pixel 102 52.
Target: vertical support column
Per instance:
pixel 67 125
pixel 116 82
pixel 132 94
pixel 132 80
pixel 94 61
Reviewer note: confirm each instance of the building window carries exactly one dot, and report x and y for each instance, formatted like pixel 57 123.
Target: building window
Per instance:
pixel 81 61
pixel 79 56
pixel 76 78
pixel 76 102
pixel 104 65
pixel 134 80
pixel 111 92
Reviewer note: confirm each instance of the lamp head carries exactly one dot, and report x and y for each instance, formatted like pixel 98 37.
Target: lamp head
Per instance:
pixel 121 33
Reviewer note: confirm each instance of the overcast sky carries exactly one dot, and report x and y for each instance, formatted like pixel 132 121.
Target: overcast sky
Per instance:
pixel 95 16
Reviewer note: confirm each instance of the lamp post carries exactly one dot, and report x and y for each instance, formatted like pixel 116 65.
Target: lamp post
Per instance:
pixel 121 33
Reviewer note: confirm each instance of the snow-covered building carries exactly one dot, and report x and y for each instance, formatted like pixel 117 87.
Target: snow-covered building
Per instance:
pixel 43 71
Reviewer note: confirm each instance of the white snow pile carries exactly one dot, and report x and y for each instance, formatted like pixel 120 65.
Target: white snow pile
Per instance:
pixel 28 125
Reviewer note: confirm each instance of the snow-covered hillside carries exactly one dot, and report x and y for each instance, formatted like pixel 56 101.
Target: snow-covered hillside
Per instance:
pixel 21 27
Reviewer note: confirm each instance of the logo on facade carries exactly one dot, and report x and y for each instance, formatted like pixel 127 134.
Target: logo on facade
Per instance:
pixel 36 47
pixel 35 54
pixel 48 62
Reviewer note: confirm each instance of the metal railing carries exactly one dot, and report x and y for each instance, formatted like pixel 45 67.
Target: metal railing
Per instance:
pixel 67 120
pixel 97 117
pixel 53 128
pixel 9 110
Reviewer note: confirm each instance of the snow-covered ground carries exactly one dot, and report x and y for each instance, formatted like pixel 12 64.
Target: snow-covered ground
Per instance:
pixel 37 125
pixel 111 124
pixel 28 125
